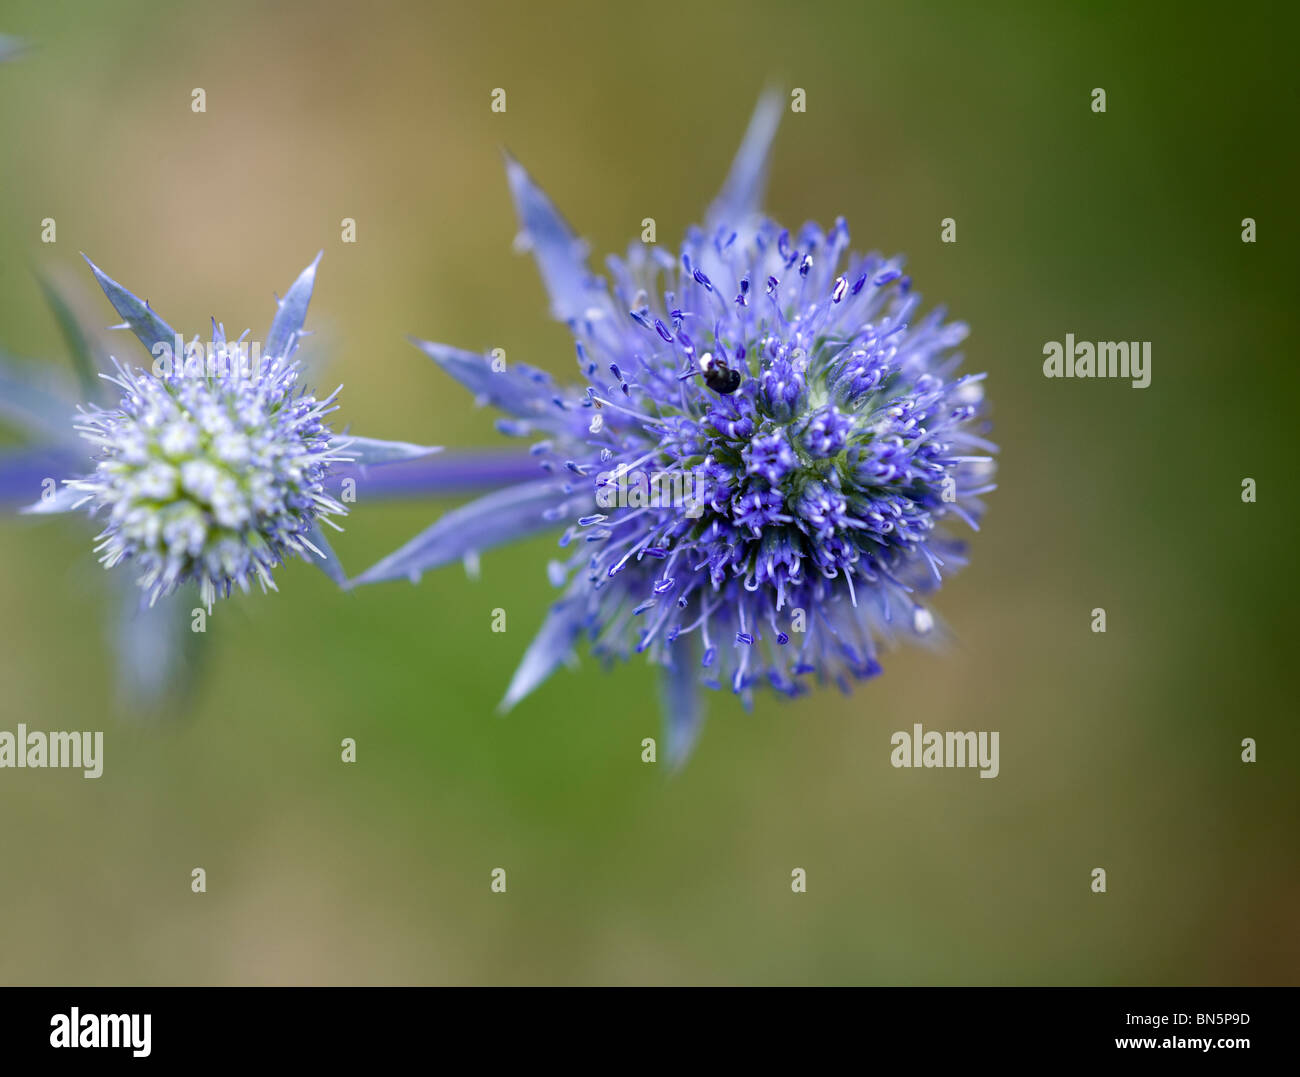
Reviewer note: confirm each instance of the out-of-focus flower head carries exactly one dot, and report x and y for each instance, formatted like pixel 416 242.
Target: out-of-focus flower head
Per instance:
pixel 208 469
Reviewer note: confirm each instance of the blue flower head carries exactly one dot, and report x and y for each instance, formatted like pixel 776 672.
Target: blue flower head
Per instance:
pixel 826 435
pixel 211 467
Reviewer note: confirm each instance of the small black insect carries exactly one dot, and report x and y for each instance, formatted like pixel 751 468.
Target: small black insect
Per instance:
pixel 718 376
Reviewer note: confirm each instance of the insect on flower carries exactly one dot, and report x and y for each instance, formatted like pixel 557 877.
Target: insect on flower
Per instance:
pixel 718 376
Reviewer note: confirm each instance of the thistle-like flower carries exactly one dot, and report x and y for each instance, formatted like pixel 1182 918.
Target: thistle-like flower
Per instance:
pixel 211 467
pixel 212 480
pixel 823 432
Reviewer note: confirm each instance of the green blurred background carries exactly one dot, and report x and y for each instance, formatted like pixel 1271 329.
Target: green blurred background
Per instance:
pixel 1119 750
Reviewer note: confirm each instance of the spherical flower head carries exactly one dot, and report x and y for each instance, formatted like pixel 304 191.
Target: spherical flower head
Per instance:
pixel 210 475
pixel 774 444
pixel 826 433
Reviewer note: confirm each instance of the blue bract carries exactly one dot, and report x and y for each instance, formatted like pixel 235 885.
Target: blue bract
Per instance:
pixel 754 482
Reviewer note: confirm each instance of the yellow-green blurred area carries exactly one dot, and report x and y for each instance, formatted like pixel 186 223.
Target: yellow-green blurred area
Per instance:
pixel 1119 750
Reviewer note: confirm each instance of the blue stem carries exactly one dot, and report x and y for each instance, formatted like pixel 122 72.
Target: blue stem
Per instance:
pixel 445 473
